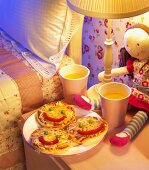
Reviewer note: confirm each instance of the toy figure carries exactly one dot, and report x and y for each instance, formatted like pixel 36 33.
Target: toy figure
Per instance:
pixel 136 52
pixel 135 57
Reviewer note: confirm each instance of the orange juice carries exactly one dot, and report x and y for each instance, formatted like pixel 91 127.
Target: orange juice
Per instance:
pixel 115 95
pixel 74 76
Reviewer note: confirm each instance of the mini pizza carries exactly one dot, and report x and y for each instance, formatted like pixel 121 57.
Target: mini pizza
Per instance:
pixel 86 128
pixel 50 140
pixel 56 114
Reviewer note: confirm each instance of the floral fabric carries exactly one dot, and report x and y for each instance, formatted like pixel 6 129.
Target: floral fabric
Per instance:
pixel 139 99
pixel 94 35
pixel 141 76
pixel 140 91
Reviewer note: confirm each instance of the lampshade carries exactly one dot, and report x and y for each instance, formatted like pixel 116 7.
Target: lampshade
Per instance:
pixel 109 9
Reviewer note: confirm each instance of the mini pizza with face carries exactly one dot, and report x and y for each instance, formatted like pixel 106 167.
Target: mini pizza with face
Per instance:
pixel 50 140
pixel 56 114
pixel 86 128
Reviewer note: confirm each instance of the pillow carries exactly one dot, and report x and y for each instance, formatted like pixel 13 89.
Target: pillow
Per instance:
pixel 42 26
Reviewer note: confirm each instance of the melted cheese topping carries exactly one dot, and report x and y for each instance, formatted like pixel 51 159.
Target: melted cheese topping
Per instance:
pixel 49 137
pixel 53 133
pixel 88 123
pixel 85 124
pixel 56 110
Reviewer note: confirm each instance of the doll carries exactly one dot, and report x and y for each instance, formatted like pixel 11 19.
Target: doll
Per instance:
pixel 136 53
pixel 135 62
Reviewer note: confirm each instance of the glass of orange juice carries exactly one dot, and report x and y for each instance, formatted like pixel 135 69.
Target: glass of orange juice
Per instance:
pixel 74 80
pixel 114 102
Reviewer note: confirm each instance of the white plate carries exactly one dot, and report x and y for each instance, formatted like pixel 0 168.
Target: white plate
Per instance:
pixel 31 124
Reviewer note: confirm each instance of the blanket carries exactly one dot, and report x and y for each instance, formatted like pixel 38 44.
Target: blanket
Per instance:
pixel 22 89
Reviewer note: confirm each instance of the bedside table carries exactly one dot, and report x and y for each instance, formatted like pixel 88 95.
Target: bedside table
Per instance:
pixel 134 156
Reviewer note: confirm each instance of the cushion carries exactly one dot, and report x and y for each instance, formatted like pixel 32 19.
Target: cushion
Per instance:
pixel 43 27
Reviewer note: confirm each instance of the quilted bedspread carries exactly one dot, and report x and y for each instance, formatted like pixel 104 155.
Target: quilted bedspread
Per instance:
pixel 22 89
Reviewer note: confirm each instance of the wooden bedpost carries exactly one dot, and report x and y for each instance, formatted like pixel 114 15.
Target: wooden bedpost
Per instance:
pixel 74 49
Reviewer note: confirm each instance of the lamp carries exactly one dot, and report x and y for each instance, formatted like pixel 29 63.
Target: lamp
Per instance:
pixel 109 9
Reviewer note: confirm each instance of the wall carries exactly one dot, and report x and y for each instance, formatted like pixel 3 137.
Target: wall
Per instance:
pixel 94 34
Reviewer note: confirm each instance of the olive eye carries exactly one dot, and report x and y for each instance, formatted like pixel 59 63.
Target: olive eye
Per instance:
pixel 138 44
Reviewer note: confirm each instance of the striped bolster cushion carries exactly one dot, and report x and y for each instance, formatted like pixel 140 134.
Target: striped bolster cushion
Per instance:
pixel 26 79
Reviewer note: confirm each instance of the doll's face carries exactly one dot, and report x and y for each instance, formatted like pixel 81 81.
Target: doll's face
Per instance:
pixel 136 42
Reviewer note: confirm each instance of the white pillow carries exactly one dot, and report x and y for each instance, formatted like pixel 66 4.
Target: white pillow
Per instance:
pixel 42 26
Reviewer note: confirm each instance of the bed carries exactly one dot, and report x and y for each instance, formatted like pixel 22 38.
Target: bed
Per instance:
pixel 34 44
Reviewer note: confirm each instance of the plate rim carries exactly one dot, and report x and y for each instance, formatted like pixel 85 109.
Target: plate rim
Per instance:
pixel 64 155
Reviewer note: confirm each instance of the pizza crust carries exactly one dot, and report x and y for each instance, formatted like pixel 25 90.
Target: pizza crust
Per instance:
pixel 60 147
pixel 59 106
pixel 80 138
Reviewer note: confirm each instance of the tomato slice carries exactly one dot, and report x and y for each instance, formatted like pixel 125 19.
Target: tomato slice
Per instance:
pixel 91 132
pixel 42 140
pixel 53 119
